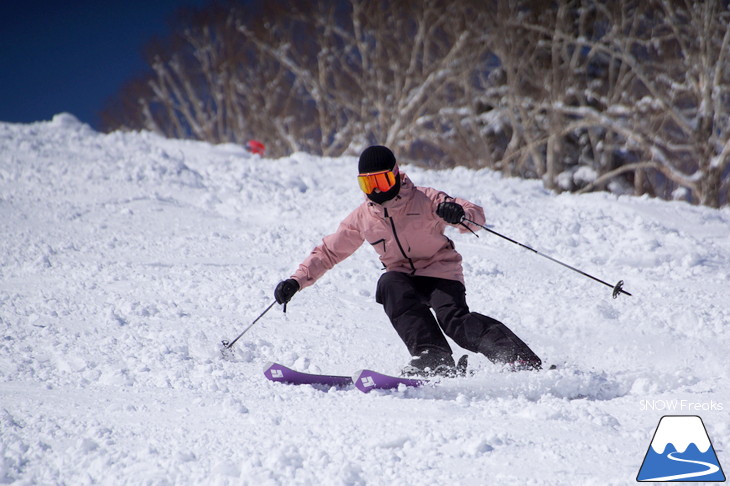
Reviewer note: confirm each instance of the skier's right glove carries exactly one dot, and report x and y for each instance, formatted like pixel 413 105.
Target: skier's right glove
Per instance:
pixel 451 212
pixel 286 290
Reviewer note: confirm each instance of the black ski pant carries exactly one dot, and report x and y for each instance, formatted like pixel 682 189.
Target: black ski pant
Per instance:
pixel 408 301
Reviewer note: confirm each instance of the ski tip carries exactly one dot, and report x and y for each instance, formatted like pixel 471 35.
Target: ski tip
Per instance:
pixel 273 372
pixel 364 386
pixel 284 374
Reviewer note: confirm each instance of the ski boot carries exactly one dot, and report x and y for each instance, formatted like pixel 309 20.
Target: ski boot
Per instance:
pixel 430 363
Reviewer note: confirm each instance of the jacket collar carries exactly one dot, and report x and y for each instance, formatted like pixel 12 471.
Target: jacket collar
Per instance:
pixel 398 202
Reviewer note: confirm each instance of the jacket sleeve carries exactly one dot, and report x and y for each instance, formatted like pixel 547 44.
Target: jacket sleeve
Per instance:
pixel 333 249
pixel 472 211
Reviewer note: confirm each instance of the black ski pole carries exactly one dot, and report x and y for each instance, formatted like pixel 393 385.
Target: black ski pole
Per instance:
pixel 229 345
pixel 617 289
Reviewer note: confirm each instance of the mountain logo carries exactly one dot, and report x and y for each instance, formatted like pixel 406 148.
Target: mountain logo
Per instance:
pixel 680 451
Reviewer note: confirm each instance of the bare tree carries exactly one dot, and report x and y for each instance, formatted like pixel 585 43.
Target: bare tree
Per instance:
pixel 381 71
pixel 646 80
pixel 630 96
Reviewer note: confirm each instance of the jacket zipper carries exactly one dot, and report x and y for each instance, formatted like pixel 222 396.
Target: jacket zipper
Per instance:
pixel 397 240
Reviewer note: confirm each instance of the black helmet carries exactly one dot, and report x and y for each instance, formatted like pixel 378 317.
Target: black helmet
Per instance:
pixel 378 162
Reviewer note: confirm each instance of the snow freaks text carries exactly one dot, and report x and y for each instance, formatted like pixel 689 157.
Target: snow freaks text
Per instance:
pixel 680 406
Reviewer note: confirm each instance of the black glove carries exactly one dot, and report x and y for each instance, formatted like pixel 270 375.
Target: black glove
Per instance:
pixel 451 212
pixel 286 290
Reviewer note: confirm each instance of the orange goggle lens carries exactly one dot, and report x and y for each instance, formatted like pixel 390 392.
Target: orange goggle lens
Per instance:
pixel 382 181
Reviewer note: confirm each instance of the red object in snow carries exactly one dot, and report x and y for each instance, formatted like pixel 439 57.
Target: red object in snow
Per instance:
pixel 256 147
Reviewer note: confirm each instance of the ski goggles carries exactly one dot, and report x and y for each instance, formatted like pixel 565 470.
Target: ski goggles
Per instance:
pixel 383 181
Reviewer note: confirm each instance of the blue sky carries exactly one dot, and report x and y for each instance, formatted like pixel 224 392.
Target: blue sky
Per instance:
pixel 73 55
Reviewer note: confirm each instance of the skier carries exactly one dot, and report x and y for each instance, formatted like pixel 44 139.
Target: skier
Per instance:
pixel 405 225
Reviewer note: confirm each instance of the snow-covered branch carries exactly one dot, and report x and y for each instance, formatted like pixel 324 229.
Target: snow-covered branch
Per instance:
pixel 637 93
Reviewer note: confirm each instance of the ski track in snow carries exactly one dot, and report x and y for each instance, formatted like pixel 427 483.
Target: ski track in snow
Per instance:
pixel 126 258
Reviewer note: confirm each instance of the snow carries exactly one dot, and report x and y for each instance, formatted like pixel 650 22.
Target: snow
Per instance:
pixel 126 258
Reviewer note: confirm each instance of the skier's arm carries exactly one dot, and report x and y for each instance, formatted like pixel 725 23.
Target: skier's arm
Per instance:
pixel 334 248
pixel 472 212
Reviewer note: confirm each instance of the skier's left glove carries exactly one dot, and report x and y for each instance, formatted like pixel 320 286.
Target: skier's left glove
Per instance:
pixel 451 212
pixel 286 290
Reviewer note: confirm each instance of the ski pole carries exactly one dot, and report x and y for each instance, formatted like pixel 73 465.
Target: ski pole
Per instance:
pixel 617 289
pixel 229 345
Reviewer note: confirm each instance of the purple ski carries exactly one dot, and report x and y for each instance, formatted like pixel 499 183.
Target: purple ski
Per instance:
pixel 367 380
pixel 283 374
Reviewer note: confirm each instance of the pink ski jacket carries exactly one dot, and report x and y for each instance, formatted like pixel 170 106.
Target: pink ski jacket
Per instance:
pixel 406 233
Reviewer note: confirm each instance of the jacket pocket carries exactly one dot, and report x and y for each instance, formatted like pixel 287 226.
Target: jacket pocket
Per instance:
pixel 379 246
